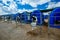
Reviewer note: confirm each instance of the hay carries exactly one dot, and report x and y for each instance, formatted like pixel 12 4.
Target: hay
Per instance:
pixel 34 32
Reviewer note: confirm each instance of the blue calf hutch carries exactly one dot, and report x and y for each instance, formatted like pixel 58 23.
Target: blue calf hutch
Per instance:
pixel 45 16
pixel 24 17
pixel 14 16
pixel 39 16
pixel 54 18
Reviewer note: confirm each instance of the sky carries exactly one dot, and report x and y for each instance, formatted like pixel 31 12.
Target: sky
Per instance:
pixel 15 6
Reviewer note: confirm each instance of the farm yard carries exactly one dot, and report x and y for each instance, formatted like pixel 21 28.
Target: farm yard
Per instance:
pixel 9 31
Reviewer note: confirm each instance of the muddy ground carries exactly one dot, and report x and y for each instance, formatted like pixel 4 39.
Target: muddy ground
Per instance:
pixel 9 31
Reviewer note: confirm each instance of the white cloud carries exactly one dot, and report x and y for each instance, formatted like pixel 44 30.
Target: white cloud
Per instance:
pixel 8 10
pixel 53 5
pixel 5 1
pixel 33 3
pixel 2 12
pixel 12 7
pixel 46 13
pixel 23 10
pixel 57 5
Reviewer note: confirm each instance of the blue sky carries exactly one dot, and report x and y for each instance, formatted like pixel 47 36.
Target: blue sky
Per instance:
pixel 14 6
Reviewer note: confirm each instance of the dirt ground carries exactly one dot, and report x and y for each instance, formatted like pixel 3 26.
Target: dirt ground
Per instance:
pixel 9 31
